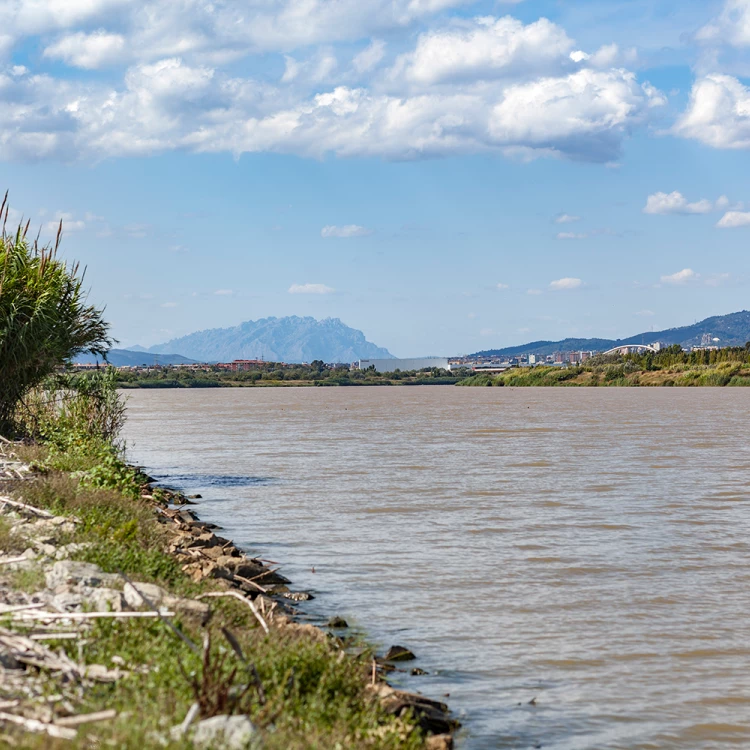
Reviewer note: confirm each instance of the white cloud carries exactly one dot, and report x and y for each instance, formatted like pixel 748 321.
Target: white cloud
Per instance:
pixel 502 86
pixel 349 230
pixel 732 219
pixel 310 289
pixel 566 219
pixel 566 283
pixel 369 57
pixel 675 203
pixel 645 313
pixel 87 50
pixel 483 48
pixel 534 292
pixel 732 26
pixel 168 304
pixel 571 235
pixel 718 113
pixel 502 287
pixel 224 292
pixel 681 277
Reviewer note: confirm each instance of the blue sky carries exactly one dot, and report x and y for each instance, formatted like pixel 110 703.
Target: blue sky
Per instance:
pixel 446 175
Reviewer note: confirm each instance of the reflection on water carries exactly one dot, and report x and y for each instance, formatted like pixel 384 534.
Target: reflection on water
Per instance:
pixel 586 548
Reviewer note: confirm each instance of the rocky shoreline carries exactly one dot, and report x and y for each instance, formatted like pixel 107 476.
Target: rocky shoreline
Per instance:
pixel 46 596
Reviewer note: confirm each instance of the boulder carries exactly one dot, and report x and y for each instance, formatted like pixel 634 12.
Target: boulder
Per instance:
pixel 107 600
pixel 399 653
pixel 76 574
pixel 225 733
pixel 162 599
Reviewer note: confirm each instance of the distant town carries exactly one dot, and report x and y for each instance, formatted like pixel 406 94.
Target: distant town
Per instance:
pixel 474 363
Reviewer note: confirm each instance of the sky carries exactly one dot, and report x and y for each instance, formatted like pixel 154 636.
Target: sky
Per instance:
pixel 445 175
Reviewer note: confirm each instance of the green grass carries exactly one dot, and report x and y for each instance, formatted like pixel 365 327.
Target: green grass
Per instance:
pixel 315 695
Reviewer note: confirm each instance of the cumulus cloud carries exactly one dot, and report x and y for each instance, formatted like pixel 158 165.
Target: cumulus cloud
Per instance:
pixel 479 86
pixel 484 48
pixel 310 289
pixel 731 26
pixel 369 57
pixel 571 235
pixel 566 219
pixel 718 113
pixel 732 219
pixel 565 283
pixel 502 286
pixel 681 277
pixel 344 232
pixel 87 50
pixel 676 203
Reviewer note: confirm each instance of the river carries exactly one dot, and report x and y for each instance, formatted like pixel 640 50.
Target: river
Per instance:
pixel 571 565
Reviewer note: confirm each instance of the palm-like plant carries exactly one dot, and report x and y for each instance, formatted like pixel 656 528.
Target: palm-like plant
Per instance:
pixel 44 318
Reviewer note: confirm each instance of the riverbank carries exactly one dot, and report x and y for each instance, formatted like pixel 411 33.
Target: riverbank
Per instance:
pixel 614 375
pixel 118 602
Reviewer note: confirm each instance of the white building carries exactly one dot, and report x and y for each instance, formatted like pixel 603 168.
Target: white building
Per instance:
pixel 391 365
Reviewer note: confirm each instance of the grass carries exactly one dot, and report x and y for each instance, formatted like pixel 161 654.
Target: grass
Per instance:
pixel 618 375
pixel 313 694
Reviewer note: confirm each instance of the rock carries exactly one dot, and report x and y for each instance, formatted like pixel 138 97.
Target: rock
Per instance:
pixel 68 601
pixel 399 653
pixel 64 552
pixel 155 595
pixel 224 733
pixel 160 598
pixel 338 622
pixel 107 600
pixel 416 671
pixel 439 742
pixel 76 574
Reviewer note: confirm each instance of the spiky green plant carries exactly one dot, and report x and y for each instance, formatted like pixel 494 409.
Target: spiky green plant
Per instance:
pixel 44 318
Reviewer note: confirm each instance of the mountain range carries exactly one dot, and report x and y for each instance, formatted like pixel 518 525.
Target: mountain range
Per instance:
pixel 290 339
pixel 730 330
pixel 134 358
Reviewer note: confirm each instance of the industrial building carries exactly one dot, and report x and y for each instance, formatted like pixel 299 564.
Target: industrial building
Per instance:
pixel 391 365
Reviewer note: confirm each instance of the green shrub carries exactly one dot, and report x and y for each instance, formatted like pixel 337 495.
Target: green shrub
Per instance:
pixel 44 318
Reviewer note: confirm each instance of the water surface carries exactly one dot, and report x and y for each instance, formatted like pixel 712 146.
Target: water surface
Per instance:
pixel 584 548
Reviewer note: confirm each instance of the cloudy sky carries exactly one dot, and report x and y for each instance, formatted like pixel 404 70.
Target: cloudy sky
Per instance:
pixel 446 175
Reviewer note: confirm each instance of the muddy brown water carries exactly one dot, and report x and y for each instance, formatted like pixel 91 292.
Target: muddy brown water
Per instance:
pixel 587 549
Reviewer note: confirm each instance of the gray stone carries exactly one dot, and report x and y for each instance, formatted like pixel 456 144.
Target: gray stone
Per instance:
pixel 107 600
pixel 399 653
pixel 76 574
pixel 225 733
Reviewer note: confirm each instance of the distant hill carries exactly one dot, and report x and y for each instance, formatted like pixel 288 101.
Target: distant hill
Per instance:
pixel 131 358
pixel 291 339
pixel 731 330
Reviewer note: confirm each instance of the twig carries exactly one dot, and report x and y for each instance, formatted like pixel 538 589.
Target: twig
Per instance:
pixel 74 721
pixel 22 558
pixel 237 595
pixel 55 636
pixel 251 582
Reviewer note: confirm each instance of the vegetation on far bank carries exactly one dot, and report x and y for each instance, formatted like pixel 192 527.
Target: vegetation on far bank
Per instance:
pixel 670 367
pixel 273 374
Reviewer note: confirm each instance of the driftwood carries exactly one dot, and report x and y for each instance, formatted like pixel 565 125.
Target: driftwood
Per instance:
pixel 74 721
pixel 242 579
pixel 33 725
pixel 40 615
pixel 30 508
pixel 237 595
pixel 10 560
